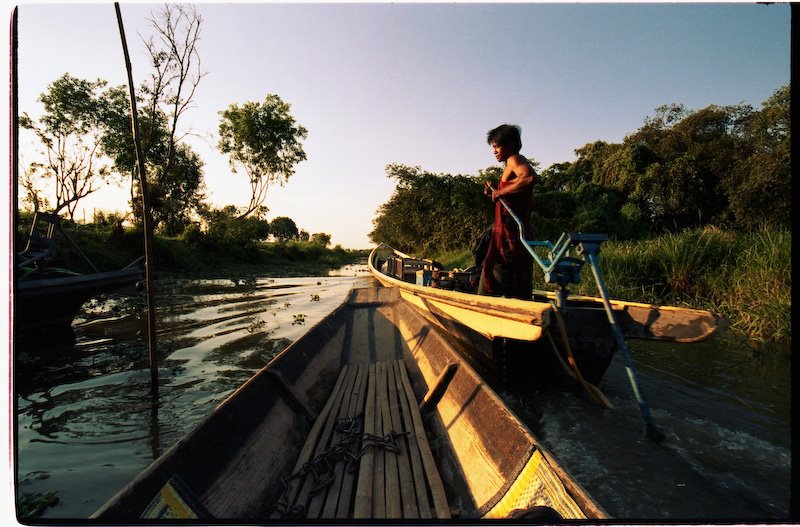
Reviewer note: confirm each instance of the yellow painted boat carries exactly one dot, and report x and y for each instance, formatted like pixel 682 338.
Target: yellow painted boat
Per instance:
pixel 491 327
pixel 371 415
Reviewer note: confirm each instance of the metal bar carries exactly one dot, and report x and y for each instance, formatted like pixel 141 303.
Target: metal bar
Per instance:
pixel 652 432
pixel 75 246
pixel 526 243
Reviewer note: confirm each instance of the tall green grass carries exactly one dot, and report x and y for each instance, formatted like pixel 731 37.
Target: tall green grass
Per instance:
pixel 745 277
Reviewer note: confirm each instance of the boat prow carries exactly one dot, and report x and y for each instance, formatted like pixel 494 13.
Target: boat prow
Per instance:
pixel 655 322
pixel 422 437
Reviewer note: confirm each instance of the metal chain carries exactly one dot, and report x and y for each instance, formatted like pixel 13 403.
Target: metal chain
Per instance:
pixel 350 448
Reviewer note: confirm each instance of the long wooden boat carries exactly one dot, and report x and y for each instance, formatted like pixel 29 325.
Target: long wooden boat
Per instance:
pixel 48 296
pixel 512 330
pixel 55 297
pixel 372 414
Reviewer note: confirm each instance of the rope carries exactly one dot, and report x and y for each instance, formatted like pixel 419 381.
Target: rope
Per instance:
pixel 322 469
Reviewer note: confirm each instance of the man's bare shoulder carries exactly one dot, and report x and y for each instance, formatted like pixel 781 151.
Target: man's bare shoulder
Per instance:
pixel 517 159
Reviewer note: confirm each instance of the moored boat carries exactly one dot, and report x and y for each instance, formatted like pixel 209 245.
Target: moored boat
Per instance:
pixel 372 414
pixel 55 297
pixel 49 296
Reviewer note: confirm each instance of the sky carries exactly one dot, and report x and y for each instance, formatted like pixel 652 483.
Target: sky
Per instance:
pixel 417 84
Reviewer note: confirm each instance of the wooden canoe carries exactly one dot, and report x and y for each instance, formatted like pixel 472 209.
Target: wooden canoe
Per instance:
pixel 372 376
pixel 53 300
pixel 481 323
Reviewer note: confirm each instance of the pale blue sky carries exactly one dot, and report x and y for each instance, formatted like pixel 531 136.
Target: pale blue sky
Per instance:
pixel 421 84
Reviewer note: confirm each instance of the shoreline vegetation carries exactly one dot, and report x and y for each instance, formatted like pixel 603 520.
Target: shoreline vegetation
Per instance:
pixel 111 247
pixel 745 277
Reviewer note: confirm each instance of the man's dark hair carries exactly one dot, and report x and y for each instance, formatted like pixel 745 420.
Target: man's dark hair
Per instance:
pixel 506 135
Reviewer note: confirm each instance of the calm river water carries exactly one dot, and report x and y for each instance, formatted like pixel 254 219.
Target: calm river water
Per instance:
pixel 87 423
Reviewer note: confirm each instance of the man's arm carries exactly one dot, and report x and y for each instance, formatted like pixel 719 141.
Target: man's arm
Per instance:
pixel 524 180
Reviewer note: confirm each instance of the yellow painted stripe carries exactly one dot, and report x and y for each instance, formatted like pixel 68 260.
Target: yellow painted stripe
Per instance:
pixel 514 498
pixel 175 504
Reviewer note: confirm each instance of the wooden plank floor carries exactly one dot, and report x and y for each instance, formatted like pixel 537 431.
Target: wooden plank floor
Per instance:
pixel 367 455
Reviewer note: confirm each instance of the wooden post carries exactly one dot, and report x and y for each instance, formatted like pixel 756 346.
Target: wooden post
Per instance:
pixel 147 223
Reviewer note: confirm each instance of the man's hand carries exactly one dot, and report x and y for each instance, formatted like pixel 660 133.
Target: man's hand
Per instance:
pixel 488 190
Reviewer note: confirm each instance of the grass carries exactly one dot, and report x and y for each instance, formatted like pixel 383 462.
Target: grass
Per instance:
pixel 744 276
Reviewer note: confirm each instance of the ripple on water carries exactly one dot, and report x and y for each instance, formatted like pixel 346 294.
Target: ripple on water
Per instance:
pixel 87 423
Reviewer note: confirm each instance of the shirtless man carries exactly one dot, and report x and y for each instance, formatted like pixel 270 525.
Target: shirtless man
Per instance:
pixel 507 267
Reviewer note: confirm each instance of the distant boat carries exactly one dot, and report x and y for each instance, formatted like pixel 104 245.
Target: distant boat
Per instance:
pixel 48 296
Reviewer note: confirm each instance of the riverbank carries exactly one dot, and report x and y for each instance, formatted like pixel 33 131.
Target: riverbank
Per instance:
pixel 746 277
pixel 193 257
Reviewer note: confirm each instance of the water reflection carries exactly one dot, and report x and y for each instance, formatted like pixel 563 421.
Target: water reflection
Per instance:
pixel 87 422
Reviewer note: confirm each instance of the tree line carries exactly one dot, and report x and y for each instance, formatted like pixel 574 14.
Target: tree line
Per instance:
pixel 85 140
pixel 722 166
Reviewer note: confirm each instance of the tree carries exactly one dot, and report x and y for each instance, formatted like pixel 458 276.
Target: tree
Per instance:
pixel 759 188
pixel 176 62
pixel 174 171
pixel 175 194
pixel 264 140
pixel 237 237
pixel 69 132
pixel 432 211
pixel 283 228
pixel 682 165
pixel 321 238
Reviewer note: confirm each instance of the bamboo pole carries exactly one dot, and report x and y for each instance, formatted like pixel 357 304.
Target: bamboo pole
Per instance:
pixel 147 223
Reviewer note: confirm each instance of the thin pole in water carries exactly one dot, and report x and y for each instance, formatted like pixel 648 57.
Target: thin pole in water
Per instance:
pixel 147 223
pixel 652 432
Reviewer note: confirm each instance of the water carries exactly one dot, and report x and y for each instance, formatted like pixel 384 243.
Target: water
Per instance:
pixel 87 423
pixel 86 420
pixel 725 413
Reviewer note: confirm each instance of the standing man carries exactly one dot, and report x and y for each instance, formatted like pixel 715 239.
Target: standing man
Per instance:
pixel 507 267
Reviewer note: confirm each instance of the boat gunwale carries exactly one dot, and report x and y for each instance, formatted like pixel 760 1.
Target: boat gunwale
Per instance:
pixel 529 311
pixel 173 461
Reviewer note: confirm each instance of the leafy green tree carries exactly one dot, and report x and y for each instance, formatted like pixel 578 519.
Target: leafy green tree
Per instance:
pixel 671 171
pixel 176 186
pixel 759 188
pixel 117 140
pixel 432 211
pixel 226 231
pixel 69 132
pixel 284 228
pixel 176 194
pixel 264 140
pixel 321 238
pixel 558 177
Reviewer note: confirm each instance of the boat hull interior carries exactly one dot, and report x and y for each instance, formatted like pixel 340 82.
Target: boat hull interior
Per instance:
pixel 490 464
